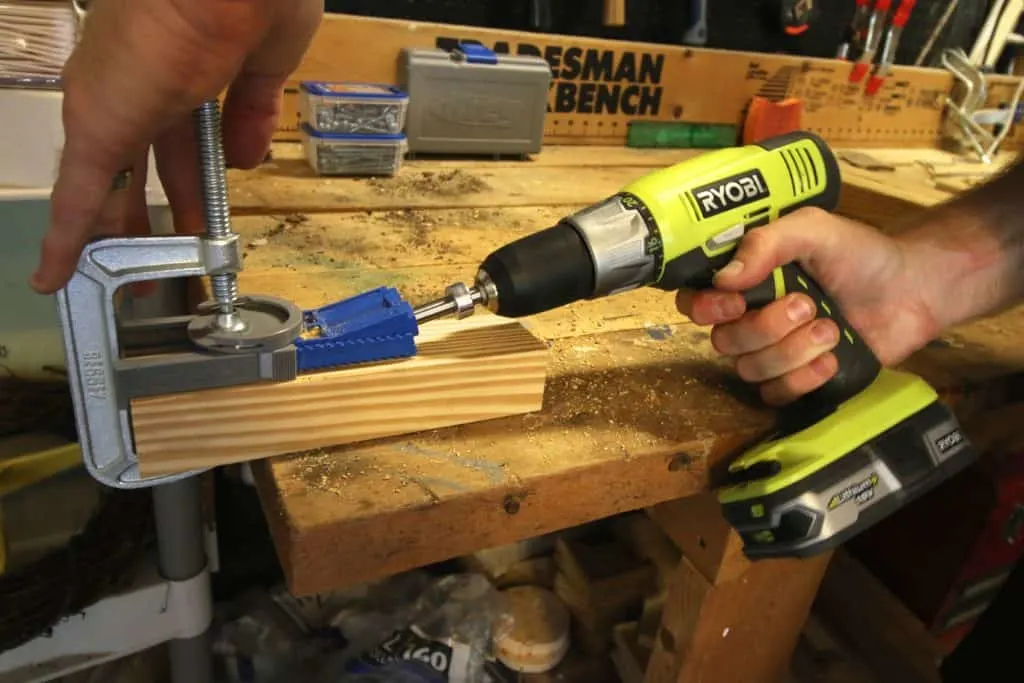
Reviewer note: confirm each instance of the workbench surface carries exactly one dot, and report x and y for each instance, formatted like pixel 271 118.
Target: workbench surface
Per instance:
pixel 638 407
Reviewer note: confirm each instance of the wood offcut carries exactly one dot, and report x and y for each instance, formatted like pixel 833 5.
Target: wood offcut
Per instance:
pixel 465 371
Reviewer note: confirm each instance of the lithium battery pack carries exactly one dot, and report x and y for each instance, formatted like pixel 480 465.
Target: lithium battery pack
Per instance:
pixel 353 108
pixel 353 155
pixel 473 101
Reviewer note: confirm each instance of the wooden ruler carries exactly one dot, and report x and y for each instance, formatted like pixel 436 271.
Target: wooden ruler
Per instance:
pixel 599 86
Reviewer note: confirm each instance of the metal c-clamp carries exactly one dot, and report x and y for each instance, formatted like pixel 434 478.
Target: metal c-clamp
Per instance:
pixel 234 340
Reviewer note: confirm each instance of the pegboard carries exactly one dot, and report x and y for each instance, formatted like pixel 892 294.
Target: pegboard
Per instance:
pixel 602 85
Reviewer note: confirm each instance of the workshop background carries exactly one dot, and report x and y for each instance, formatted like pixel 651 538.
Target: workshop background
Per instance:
pixel 744 25
pixel 596 602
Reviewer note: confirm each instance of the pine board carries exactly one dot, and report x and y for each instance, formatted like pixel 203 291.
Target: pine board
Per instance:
pixel 480 369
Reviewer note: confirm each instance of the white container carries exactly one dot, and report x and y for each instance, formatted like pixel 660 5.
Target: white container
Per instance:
pixel 32 139
pixel 353 155
pixel 353 108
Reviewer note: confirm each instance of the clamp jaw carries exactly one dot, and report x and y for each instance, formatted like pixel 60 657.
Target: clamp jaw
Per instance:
pixel 104 377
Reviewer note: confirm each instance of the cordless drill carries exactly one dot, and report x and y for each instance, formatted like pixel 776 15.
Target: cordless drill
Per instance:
pixel 843 456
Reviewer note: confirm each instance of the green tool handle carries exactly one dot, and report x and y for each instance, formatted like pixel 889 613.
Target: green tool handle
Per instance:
pixel 858 365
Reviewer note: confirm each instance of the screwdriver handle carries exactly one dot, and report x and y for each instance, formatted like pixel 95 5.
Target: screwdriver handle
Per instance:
pixel 858 365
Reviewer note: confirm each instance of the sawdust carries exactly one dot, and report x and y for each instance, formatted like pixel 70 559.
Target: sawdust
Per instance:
pixel 421 227
pixel 308 242
pixel 339 474
pixel 445 184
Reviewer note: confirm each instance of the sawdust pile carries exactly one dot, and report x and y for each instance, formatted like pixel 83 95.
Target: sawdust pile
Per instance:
pixel 446 184
pixel 308 243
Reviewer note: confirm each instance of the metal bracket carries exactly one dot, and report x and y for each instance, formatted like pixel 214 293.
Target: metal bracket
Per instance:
pixel 103 380
pixel 969 116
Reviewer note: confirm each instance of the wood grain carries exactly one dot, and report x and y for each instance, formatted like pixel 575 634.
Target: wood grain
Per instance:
pixel 743 629
pixel 566 178
pixel 477 369
pixel 883 633
pixel 908 110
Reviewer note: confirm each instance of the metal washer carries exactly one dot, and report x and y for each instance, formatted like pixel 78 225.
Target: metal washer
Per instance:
pixel 270 323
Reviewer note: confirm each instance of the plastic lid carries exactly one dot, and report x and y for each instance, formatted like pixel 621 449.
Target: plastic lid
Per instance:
pixel 353 89
pixel 351 137
pixel 477 53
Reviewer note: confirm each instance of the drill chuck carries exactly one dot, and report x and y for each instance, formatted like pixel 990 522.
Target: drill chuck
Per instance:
pixel 542 271
pixel 605 249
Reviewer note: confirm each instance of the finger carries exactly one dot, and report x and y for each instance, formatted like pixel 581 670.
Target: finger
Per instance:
pixel 80 194
pixel 253 102
pixel 762 250
pixel 136 211
pixel 799 348
pixel 762 328
pixel 709 307
pixel 796 383
pixel 177 164
pixel 136 217
pixel 251 111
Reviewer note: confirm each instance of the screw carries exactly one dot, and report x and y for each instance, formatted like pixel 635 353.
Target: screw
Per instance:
pixel 215 200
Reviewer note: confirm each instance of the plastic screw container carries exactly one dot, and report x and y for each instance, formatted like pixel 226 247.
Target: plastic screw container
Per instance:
pixel 353 108
pixel 362 155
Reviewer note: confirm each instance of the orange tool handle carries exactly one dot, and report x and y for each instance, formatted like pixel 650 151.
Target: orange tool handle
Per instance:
pixel 614 12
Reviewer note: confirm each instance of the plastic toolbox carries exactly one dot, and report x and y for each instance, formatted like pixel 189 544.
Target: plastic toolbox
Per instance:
pixel 338 154
pixel 353 108
pixel 473 101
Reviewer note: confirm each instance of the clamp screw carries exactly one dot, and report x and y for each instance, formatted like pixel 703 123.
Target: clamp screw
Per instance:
pixel 215 198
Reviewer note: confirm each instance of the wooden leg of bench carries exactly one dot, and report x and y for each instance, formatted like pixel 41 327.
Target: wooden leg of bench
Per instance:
pixel 726 618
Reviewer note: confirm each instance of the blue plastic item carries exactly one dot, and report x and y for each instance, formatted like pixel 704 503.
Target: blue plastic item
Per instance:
pixel 372 326
pixel 477 53
pixel 354 90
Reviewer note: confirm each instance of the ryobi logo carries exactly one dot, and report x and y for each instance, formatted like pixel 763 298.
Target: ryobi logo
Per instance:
pixel 948 441
pixel 730 193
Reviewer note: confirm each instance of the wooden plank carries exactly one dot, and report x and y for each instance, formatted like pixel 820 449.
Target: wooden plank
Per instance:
pixel 566 178
pixel 879 629
pixel 289 185
pixel 744 629
pixel 915 181
pixel 696 525
pixel 648 81
pixel 479 369
pixel 630 419
pixel 720 603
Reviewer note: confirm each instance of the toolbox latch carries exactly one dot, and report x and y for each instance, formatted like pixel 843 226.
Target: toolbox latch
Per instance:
pixel 475 53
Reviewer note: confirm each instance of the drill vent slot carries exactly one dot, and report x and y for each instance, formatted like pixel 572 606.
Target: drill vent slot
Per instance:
pixel 803 174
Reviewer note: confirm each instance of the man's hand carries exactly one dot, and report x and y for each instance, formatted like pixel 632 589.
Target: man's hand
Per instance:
pixel 781 347
pixel 139 70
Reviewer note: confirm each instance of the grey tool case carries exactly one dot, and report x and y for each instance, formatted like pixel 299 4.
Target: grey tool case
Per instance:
pixel 473 101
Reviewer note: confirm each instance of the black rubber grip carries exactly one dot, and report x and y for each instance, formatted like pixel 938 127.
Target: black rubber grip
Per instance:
pixel 540 272
pixel 858 365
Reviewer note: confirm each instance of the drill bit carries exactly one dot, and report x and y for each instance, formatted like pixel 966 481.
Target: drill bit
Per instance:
pixel 459 300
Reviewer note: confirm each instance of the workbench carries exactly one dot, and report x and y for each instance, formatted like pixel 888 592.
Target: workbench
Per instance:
pixel 639 411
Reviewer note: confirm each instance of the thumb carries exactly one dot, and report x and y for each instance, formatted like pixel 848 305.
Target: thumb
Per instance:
pixel 794 237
